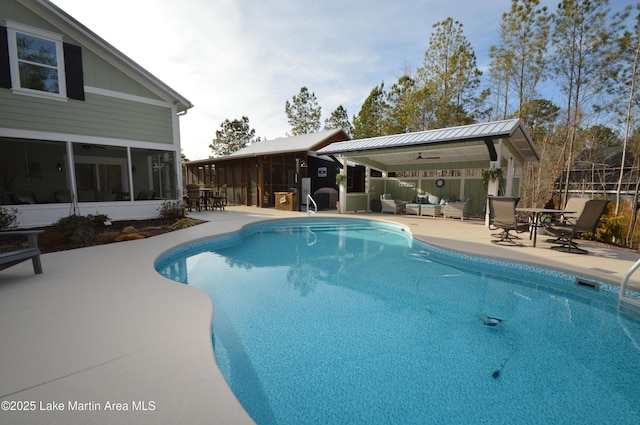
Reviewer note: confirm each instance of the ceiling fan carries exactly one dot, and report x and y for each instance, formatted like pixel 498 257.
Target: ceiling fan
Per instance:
pixel 426 157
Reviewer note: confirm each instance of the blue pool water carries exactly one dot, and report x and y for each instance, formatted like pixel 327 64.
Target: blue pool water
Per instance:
pixel 354 321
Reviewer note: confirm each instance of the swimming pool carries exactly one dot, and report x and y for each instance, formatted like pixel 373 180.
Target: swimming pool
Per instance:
pixel 354 321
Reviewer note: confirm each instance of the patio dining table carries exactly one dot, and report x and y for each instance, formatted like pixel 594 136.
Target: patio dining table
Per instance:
pixel 217 201
pixel 206 195
pixel 535 222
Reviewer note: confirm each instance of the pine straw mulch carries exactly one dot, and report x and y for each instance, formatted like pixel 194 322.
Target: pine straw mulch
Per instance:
pixel 53 241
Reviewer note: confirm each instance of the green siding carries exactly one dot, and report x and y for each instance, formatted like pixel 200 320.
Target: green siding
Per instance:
pixel 357 202
pixel 98 116
pixel 400 191
pixel 12 10
pixel 101 116
pixel 449 190
pixel 99 73
pixel 474 189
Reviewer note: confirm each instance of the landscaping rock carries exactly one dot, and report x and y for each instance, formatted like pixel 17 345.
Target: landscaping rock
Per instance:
pixel 129 237
pixel 129 229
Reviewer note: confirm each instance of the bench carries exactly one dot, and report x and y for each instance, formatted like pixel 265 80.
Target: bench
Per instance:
pixel 11 258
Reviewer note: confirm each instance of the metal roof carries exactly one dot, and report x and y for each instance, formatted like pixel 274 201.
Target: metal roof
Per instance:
pixel 301 143
pixel 492 130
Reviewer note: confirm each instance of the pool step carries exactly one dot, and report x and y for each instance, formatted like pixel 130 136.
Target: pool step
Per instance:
pixel 629 308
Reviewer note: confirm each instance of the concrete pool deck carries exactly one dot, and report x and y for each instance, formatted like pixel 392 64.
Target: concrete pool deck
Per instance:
pixel 100 330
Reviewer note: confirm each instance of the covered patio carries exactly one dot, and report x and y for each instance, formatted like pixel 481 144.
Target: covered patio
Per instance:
pixel 444 162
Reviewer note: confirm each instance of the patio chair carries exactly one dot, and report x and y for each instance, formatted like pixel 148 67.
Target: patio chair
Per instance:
pixel 587 223
pixel 502 215
pixel 194 198
pixel 391 205
pixel 459 209
pixel 574 208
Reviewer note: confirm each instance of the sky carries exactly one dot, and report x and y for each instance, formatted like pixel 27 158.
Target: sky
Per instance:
pixel 232 58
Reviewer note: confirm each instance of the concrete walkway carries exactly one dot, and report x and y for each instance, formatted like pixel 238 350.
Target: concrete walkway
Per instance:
pixel 100 330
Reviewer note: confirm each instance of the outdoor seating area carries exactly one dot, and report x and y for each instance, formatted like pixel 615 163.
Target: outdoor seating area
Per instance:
pixel 429 205
pixel 203 198
pixel 581 215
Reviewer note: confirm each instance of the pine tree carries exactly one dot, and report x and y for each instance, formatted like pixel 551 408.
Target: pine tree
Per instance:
pixel 401 109
pixel 339 119
pixel 449 74
pixel 369 121
pixel 232 136
pixel 519 61
pixel 303 113
pixel 579 39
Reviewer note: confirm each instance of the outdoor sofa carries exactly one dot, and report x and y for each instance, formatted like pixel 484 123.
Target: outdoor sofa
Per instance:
pixel 430 205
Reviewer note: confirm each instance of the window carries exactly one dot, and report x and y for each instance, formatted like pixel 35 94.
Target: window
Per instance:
pixel 37 61
pixel 32 171
pixel 102 173
pixel 154 174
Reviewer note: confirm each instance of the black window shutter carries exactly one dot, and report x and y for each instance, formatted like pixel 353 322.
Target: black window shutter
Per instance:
pixel 5 70
pixel 73 71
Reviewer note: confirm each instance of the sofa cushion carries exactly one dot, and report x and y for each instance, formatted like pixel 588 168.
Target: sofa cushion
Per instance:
pixel 24 198
pixel 387 196
pixel 433 199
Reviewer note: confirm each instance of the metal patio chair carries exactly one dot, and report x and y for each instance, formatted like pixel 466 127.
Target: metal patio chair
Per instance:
pixel 587 223
pixel 502 216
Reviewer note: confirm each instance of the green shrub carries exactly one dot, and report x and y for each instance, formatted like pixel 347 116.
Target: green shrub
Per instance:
pixel 609 229
pixel 8 218
pixel 99 220
pixel 172 209
pixel 80 229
